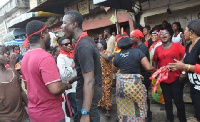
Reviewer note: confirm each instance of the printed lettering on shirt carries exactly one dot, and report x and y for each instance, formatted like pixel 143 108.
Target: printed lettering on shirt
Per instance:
pixel 194 78
pixel 124 54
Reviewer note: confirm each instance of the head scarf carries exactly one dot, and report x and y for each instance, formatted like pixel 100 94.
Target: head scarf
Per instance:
pixel 25 43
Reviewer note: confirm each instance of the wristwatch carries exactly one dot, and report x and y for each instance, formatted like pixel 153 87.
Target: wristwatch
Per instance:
pixel 183 72
pixel 84 111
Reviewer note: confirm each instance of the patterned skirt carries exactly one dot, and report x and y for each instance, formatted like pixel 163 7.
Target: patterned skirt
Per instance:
pixel 131 98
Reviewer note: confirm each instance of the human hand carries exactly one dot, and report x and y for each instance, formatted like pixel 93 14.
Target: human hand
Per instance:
pixel 73 65
pixel 85 118
pixel 13 60
pixel 176 66
pixel 69 86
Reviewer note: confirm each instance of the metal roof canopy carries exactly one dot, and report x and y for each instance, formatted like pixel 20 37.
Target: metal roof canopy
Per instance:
pixel 23 23
pixel 117 4
pixel 55 6
pixel 11 35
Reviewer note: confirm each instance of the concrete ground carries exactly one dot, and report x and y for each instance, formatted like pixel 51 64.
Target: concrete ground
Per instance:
pixel 158 115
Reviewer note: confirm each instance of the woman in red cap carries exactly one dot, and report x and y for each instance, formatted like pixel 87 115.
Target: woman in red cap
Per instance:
pixel 130 91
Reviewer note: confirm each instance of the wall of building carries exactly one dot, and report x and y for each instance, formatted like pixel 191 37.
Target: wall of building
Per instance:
pixel 155 11
pixel 33 3
pixel 10 10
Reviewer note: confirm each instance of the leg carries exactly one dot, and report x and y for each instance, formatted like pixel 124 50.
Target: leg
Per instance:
pixel 196 103
pixel 147 84
pixel 72 100
pixel 167 93
pixel 177 91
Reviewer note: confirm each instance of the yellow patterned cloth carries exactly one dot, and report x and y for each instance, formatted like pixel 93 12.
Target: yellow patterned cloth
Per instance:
pixel 107 77
pixel 131 98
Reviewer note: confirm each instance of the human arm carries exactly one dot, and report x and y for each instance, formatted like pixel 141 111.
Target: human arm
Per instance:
pixel 88 92
pixel 146 64
pixel 114 69
pixel 24 97
pixel 106 57
pixel 72 80
pixel 13 61
pixel 180 65
pixel 50 76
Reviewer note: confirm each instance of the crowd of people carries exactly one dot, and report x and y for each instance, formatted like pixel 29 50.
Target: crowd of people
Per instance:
pixel 77 77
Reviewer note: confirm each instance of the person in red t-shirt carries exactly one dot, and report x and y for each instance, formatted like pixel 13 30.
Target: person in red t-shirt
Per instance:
pixel 171 88
pixel 39 70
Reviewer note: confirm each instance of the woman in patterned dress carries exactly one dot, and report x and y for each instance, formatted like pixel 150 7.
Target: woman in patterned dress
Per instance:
pixel 130 92
pixel 107 77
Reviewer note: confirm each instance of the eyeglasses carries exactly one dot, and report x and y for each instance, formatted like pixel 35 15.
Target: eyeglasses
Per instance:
pixel 66 44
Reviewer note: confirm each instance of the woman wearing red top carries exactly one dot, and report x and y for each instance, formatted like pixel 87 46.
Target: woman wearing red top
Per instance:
pixel 171 88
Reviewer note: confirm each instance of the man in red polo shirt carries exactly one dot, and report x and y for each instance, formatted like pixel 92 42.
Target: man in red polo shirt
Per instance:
pixel 39 70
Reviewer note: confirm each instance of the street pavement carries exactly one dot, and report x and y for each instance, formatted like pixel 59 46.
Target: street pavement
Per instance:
pixel 157 114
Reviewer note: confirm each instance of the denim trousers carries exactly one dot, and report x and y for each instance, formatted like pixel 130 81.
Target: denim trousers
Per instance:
pixel 94 112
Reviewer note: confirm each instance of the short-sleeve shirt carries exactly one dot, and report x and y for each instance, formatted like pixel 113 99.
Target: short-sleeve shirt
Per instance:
pixel 129 61
pixel 111 44
pixel 193 58
pixel 38 70
pixel 165 56
pixel 87 59
pixel 144 73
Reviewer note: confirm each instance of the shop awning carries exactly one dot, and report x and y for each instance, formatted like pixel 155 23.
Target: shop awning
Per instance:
pixel 14 42
pixel 12 35
pixel 55 6
pixel 22 20
pixel 117 4
pixel 103 22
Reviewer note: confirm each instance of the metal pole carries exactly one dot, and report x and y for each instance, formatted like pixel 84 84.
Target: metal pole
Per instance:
pixel 116 21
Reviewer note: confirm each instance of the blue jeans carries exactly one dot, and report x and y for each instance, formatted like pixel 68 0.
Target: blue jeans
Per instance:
pixel 94 112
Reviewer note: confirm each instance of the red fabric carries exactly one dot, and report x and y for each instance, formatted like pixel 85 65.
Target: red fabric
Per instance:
pixel 25 43
pixel 68 54
pixel 136 33
pixel 121 37
pixel 7 66
pixel 165 56
pixel 39 70
pixel 197 68
pixel 146 43
pixel 161 75
pixel 81 36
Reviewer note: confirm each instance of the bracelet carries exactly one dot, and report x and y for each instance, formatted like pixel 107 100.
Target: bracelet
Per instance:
pixel 188 68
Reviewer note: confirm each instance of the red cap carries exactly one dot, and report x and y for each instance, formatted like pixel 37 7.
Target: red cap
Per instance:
pixel 136 33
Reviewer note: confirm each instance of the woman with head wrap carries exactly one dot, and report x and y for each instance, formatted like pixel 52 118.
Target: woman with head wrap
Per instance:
pixel 130 92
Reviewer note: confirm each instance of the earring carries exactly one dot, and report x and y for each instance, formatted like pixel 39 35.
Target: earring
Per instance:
pixel 191 36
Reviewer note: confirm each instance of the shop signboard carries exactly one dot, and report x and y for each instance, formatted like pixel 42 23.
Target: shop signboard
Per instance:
pixel 83 7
